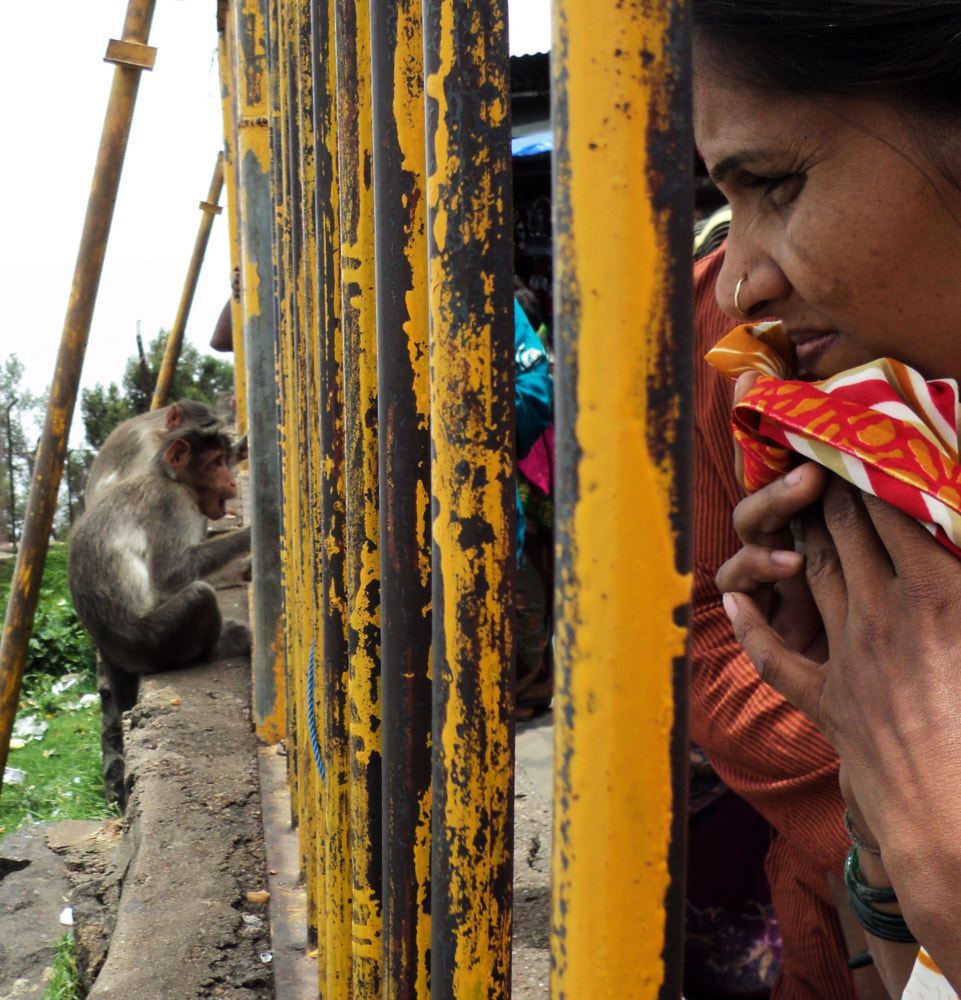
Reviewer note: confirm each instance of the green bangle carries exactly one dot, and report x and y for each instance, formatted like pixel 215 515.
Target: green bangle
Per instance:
pixel 854 882
pixel 886 926
pixel 856 838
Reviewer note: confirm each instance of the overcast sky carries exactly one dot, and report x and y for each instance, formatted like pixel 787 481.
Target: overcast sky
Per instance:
pixel 57 86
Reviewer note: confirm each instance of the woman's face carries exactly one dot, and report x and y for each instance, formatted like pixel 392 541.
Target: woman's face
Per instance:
pixel 842 226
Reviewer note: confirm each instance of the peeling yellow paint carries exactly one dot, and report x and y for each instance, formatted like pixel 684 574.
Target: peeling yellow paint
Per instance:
pixel 617 695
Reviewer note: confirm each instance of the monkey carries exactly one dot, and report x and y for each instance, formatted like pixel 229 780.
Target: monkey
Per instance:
pixel 137 558
pixel 131 446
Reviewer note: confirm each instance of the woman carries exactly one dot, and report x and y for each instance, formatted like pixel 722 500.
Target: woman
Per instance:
pixel 834 129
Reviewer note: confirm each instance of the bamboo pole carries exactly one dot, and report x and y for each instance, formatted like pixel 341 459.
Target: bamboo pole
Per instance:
pixel 210 208
pixel 131 55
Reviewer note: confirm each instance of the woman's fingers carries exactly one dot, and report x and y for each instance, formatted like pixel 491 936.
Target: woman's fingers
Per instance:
pixel 798 679
pixel 911 548
pixel 763 517
pixel 754 566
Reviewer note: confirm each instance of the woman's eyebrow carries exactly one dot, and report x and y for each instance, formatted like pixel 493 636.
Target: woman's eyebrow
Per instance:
pixel 723 168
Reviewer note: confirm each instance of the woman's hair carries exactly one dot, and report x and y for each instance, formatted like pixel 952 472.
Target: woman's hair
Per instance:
pixel 907 51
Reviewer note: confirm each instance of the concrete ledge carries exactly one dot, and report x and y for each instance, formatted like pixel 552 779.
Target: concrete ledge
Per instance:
pixel 192 845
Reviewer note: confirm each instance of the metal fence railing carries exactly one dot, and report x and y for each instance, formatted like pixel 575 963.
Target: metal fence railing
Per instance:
pixel 368 175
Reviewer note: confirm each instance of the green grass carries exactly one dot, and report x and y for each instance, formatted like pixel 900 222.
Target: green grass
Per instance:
pixel 64 984
pixel 63 779
pixel 63 775
pixel 54 572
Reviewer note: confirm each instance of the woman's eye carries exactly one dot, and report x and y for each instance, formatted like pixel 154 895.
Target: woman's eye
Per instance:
pixel 783 188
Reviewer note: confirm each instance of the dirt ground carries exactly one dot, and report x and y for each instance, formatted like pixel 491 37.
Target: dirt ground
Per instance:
pixel 168 888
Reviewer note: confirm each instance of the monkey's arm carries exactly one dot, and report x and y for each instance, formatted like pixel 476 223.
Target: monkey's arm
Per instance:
pixel 204 558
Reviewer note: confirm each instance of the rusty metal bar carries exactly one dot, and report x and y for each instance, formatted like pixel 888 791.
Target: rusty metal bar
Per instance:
pixel 253 155
pixel 209 209
pixel 358 322
pixel 284 415
pixel 400 225
pixel 25 588
pixel 336 971
pixel 330 694
pixel 308 293
pixel 227 59
pixel 469 208
pixel 624 445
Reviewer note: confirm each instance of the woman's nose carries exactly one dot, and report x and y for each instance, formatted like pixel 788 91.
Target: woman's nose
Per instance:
pixel 750 288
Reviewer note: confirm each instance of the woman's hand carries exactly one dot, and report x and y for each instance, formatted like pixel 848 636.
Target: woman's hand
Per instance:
pixel 770 566
pixel 887 698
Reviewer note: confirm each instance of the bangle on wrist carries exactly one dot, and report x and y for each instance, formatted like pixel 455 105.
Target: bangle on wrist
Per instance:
pixel 862 900
pixel 856 838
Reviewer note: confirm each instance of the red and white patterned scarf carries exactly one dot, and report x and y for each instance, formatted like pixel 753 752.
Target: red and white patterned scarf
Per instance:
pixel 881 427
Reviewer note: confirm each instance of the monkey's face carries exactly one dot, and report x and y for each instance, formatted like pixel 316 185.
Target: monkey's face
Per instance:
pixel 215 485
pixel 205 468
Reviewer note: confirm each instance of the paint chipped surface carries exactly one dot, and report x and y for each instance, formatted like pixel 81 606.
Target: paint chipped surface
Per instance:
pixel 622 637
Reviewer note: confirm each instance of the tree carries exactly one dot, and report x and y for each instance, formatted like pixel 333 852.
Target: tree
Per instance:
pixel 198 376
pixel 101 410
pixel 17 405
pixel 70 502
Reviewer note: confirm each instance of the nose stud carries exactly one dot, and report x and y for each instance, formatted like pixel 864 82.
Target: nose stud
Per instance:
pixel 737 294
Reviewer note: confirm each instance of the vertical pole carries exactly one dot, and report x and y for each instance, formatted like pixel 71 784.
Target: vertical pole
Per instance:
pixel 210 208
pixel 358 320
pixel 131 55
pixel 13 492
pixel 253 154
pixel 227 58
pixel 624 441
pixel 308 294
pixel 331 701
pixel 69 491
pixel 469 211
pixel 400 225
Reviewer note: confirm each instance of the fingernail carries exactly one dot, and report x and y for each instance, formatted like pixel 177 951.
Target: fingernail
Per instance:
pixel 785 558
pixel 730 605
pixel 794 476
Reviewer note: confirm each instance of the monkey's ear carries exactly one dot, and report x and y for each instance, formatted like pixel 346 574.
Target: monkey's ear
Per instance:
pixel 175 416
pixel 178 453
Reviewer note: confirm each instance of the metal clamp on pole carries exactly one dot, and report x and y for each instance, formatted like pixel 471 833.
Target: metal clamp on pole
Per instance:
pixel 133 55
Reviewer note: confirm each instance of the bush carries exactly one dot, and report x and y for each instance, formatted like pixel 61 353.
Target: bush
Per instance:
pixel 59 643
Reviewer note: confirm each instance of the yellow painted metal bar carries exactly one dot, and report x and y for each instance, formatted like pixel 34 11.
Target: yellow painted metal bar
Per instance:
pixel 25 587
pixel 358 320
pixel 305 199
pixel 227 59
pixel 209 208
pixel 285 277
pixel 399 155
pixel 253 157
pixel 333 890
pixel 469 209
pixel 622 291
pixel 336 976
pixel 285 415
